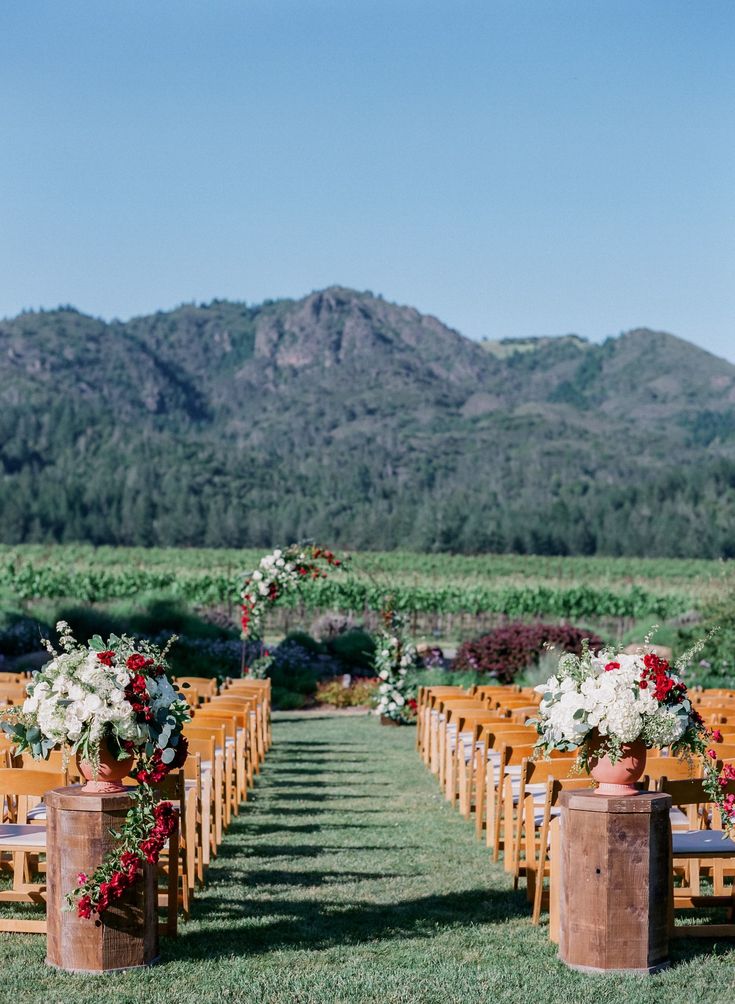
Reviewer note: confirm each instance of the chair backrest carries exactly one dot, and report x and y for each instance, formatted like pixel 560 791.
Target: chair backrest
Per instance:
pixel 207 730
pixel 12 693
pixel 205 685
pixel 539 771
pixel 232 718
pixel 472 720
pixel 23 788
pixel 55 763
pixel 202 746
pixel 239 701
pixel 495 732
pixel 671 767
pixel 692 794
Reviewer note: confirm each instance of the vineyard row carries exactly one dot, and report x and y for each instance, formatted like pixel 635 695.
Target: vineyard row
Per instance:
pixel 27 582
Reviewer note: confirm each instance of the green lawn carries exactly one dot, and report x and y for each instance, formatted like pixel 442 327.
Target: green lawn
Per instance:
pixel 348 878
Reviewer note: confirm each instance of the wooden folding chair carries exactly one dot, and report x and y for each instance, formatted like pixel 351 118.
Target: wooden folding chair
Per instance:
pixel 242 742
pixel 173 863
pixel 222 766
pixel 701 849
pixel 21 842
pixel 199 770
pixel 487 770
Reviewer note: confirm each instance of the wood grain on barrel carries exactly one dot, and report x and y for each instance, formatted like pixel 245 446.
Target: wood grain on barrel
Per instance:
pixel 616 873
pixel 79 836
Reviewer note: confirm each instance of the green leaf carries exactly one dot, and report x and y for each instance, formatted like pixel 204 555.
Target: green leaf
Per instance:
pixel 96 643
pixel 168 755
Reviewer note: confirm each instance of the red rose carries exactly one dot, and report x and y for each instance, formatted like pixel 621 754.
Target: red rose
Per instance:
pixel 106 657
pixel 136 662
pixel 611 666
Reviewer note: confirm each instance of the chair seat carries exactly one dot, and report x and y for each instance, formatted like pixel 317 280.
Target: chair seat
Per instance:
pixel 37 812
pixel 700 843
pixel 19 835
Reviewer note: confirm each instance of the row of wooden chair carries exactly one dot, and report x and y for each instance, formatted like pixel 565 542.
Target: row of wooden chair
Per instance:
pixel 228 738
pixel 480 748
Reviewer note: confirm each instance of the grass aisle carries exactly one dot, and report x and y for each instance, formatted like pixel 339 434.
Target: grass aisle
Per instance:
pixel 347 878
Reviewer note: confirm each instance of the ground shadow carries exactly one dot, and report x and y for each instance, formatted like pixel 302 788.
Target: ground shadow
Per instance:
pixel 323 924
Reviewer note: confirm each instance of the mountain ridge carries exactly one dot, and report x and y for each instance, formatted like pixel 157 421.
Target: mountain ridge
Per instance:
pixel 343 416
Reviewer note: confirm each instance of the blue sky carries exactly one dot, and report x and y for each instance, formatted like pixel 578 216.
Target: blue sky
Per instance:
pixel 514 168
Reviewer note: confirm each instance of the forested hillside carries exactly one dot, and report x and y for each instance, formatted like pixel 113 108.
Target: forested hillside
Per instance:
pixel 365 424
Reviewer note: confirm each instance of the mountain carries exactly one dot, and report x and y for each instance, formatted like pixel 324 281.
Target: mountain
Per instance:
pixel 364 424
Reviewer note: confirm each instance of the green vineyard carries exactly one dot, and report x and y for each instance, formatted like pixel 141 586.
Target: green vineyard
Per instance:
pixel 430 584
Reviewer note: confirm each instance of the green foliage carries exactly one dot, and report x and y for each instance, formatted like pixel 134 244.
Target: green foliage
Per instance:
pixel 390 429
pixel 569 588
pixel 348 879
pixel 355 649
pixel 714 666
pixel 359 693
pixel 306 642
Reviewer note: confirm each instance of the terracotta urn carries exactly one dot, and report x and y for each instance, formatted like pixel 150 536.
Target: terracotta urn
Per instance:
pixel 108 778
pixel 618 778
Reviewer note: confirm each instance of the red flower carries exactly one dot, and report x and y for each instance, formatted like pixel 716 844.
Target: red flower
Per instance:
pixel 136 662
pixel 84 907
pixel 106 657
pixel 612 665
pixel 715 735
pixel 711 754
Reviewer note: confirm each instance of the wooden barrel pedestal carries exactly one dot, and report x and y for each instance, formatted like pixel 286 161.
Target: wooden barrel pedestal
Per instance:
pixel 78 838
pixel 615 875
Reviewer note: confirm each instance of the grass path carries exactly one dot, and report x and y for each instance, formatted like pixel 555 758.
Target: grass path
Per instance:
pixel 348 879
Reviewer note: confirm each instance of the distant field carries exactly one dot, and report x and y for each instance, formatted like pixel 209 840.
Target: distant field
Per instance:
pixel 419 583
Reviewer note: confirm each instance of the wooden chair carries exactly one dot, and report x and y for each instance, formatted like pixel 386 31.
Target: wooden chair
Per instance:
pixel 423 710
pixel 440 725
pixel 22 842
pixel 451 709
pixel 173 863
pixel 532 792
pixel 469 731
pixel 499 794
pixel 243 742
pixel 255 722
pixel 262 688
pixel 694 848
pixel 538 833
pixel 204 685
pixel 200 769
pixel 216 756
pixel 487 768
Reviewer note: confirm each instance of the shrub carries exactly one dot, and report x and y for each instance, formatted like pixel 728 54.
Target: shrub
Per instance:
pixel 354 649
pixel 288 700
pixel 514 647
pixel 359 693
pixel 20 635
pixel 203 656
pixel 305 641
pixel 714 666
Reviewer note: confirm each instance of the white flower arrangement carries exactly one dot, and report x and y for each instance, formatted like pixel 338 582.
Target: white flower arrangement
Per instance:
pixel 116 691
pixel 394 658
pixel 620 697
pixel 278 573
